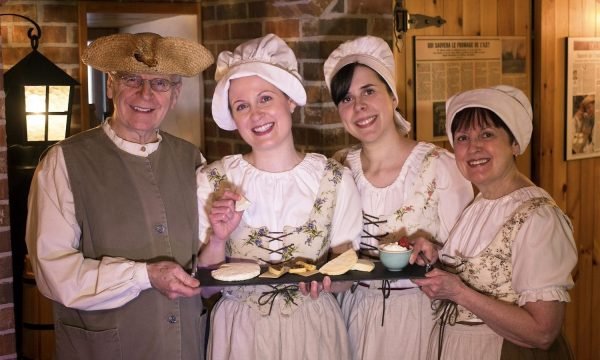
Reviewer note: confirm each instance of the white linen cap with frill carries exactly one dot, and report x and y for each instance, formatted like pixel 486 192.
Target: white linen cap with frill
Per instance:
pixel 370 51
pixel 268 57
pixel 509 103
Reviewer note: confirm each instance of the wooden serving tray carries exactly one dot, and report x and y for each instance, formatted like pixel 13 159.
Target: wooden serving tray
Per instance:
pixel 379 273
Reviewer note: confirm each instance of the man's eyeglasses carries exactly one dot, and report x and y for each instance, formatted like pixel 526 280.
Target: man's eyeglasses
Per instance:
pixel 157 84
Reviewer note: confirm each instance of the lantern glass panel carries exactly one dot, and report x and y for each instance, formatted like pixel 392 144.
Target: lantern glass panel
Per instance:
pixel 35 99
pixel 36 125
pixel 59 98
pixel 57 126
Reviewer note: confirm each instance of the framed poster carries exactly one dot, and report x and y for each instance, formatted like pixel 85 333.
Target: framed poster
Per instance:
pixel 583 75
pixel 446 65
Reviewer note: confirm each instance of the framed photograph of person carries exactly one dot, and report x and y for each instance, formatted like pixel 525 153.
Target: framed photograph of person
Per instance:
pixel 582 136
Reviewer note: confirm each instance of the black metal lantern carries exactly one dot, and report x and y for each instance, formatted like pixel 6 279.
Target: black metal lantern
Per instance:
pixel 39 98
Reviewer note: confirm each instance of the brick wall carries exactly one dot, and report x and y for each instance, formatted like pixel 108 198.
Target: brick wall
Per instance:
pixel 8 348
pixel 312 29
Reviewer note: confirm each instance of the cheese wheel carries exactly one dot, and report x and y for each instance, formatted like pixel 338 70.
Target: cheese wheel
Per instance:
pixel 341 264
pixel 236 271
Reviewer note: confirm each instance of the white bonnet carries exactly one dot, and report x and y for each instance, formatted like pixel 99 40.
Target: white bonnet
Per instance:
pixel 268 57
pixel 370 51
pixel 509 103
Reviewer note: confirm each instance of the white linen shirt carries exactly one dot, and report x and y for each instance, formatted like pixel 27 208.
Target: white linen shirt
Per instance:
pixel 286 198
pixel 61 271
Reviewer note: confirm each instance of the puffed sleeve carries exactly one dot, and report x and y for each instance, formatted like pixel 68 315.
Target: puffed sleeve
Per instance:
pixel 455 193
pixel 347 218
pixel 543 256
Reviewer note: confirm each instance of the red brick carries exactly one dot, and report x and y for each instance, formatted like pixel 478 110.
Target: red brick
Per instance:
pixel 6 267
pixel 284 29
pixel 231 11
pixel 8 344
pixel 241 148
pixel 61 55
pixel 382 28
pixel 5 244
pixel 19 34
pixel 369 7
pixel 310 27
pixel 7 319
pixel 21 9
pixel 312 71
pixel 208 13
pixel 54 34
pixel 299 134
pixel 314 94
pixel 60 13
pixel 343 26
pixel 3 189
pixel 4 215
pixel 6 293
pixel 262 9
pixel 11 56
pixel 215 32
pixel 248 30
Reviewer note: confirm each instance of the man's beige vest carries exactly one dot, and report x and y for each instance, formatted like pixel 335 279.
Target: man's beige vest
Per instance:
pixel 143 209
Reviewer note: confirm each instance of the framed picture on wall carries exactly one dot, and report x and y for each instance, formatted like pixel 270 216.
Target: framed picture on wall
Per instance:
pixel 582 136
pixel 446 65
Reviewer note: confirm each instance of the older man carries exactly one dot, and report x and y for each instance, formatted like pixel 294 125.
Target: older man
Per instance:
pixel 113 217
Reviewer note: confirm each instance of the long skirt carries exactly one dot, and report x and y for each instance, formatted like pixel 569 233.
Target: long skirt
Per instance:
pixel 315 331
pixel 407 323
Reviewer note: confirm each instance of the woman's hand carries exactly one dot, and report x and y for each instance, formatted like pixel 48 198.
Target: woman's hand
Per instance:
pixel 439 284
pixel 223 217
pixel 315 287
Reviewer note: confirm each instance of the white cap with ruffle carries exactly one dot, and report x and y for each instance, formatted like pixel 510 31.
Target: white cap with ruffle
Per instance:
pixel 509 103
pixel 268 57
pixel 370 51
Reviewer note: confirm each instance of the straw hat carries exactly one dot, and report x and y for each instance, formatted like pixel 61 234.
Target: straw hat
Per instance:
pixel 269 58
pixel 510 104
pixel 147 53
pixel 372 52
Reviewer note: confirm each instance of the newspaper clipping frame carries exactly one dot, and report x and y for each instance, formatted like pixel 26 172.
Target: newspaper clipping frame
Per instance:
pixel 448 65
pixel 583 75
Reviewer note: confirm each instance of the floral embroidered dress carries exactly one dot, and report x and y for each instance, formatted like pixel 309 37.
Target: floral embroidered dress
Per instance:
pixel 426 198
pixel 298 213
pixel 518 248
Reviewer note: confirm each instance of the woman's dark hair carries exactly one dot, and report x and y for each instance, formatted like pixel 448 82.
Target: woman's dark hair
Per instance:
pixel 477 116
pixel 341 81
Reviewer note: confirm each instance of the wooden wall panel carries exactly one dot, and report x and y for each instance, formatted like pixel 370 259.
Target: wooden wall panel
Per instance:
pixel 575 185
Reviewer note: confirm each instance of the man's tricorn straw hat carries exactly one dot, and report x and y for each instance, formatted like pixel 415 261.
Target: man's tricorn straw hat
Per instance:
pixel 147 53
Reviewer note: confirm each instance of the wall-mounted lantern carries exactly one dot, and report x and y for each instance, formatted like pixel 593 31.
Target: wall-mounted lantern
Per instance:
pixel 39 97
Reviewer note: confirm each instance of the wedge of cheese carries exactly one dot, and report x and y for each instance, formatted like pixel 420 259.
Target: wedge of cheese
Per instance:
pixel 364 265
pixel 341 264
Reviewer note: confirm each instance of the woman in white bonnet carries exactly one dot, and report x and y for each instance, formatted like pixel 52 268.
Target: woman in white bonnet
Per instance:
pixel 407 188
pixel 512 251
pixel 301 205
